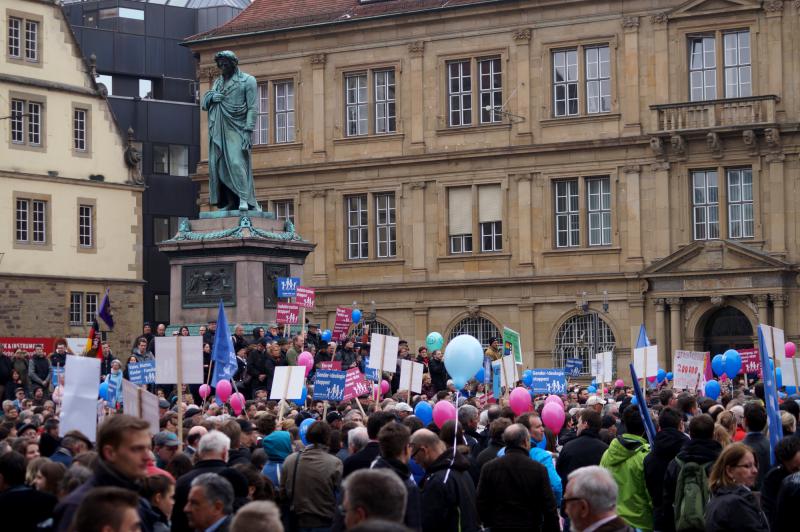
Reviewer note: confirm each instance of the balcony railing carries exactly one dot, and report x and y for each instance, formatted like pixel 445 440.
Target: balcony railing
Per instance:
pixel 714 114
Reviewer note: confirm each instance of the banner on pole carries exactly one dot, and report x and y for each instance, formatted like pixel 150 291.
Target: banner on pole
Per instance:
pixel 549 380
pixel 688 370
pixel 287 314
pixel 331 364
pixel 287 286
pixel 329 385
pixel 305 297
pixel 603 366
pixel 356 385
pixel 344 317
pixel 573 367
pixel 751 361
pixel 645 361
pixel 142 372
pixel 511 344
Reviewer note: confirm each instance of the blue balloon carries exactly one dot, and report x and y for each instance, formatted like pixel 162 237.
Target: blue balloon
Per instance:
pixel 733 362
pixel 463 357
pixel 424 412
pixel 791 390
pixel 634 401
pixel 304 429
pixel 661 375
pixel 594 382
pixel 303 396
pixel 778 378
pixel 356 315
pixel 434 341
pixel 718 365
pixel 712 389
pixel 326 335
pixel 527 377
pixel 103 392
pixel 591 389
pixel 669 375
pixel 480 375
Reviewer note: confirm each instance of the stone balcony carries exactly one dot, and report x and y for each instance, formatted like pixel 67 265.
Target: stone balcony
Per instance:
pixel 714 115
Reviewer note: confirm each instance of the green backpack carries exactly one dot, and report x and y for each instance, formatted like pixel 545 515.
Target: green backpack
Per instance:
pixel 691 496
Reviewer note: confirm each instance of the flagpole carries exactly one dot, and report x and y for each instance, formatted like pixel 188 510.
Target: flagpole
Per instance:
pixel 179 363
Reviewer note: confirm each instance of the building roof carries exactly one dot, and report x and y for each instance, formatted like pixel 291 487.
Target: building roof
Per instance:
pixel 200 4
pixel 276 15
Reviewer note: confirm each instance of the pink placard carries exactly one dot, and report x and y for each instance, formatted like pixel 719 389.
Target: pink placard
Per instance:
pixel 287 314
pixel 344 317
pixel 751 361
pixel 305 297
pixel 355 384
pixel 331 364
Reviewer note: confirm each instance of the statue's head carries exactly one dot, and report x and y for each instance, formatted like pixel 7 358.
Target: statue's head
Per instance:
pixel 227 62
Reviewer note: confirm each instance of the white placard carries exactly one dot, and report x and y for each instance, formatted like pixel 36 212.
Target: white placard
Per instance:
pixel 789 368
pixel 603 366
pixel 645 361
pixel 81 390
pixel 383 352
pixel 779 342
pixel 77 345
pixel 411 376
pixel 688 370
pixel 146 409
pixel 508 371
pixel 191 359
pixel 289 378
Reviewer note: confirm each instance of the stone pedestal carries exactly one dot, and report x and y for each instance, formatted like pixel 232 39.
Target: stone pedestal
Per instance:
pixel 235 256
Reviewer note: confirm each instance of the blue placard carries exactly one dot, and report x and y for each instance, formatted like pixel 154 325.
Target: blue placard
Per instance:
pixel 496 382
pixel 371 374
pixel 287 286
pixel 573 367
pixel 487 370
pixel 142 372
pixel 111 394
pixel 57 371
pixel 549 381
pixel 329 384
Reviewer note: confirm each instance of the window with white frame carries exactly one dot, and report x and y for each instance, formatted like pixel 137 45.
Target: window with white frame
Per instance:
pixel 740 202
pixel 31 221
pixel 31 40
pixel 23 39
pixel 14 37
pixel 261 131
pixel 567 213
pixel 79 129
pixel 385 225
pixel 488 92
pixel 18 121
pixel 90 306
pixel 283 210
pixel 357 104
pixel 704 72
pixel 459 93
pixel 26 122
pixel 491 90
pixel 371 91
pixel 281 113
pixel 565 82
pixel 459 219
pixel 738 74
pixel 487 218
pixel 76 308
pixel 705 204
pixel 702 68
pixel 357 227
pixel 581 80
pixel 385 102
pixel 599 195
pixel 284 112
pixel 490 218
pixel 86 226
pixel 598 79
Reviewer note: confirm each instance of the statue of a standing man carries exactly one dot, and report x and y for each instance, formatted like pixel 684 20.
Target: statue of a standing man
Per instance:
pixel 232 108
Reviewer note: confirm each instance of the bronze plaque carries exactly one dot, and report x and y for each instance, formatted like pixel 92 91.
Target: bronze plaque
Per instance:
pixel 271 274
pixel 204 285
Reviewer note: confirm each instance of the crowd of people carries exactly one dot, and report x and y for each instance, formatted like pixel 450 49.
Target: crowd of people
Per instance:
pixel 373 464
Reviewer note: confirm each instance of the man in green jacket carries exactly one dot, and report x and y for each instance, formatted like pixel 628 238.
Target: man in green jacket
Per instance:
pixel 625 460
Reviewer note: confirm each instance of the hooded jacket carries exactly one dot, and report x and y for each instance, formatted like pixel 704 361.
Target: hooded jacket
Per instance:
pixel 735 508
pixel 413 518
pixel 666 446
pixel 448 499
pixel 277 445
pixel 625 460
pixel 698 451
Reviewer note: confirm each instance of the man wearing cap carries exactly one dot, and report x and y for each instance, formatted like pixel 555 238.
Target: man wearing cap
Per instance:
pixel 249 436
pixel 272 335
pixel 403 410
pixel 72 444
pixel 312 335
pixel 493 350
pixel 595 403
pixel 334 419
pixel 165 444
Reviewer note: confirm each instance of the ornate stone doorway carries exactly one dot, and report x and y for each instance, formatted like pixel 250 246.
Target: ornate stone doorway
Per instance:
pixel 727 328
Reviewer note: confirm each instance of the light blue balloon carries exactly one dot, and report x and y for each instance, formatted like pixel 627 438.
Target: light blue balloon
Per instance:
pixel 791 390
pixel 661 375
pixel 356 315
pixel 424 412
pixel 733 362
pixel 712 389
pixel 591 389
pixel 304 429
pixel 527 377
pixel 779 378
pixel 463 357
pixel 634 401
pixel 434 341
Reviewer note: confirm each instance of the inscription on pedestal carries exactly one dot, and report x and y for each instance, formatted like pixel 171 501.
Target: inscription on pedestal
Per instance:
pixel 204 285
pixel 271 274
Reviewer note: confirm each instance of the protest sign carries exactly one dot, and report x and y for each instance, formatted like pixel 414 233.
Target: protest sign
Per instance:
pixel 688 370
pixel 355 384
pixel 645 361
pixel 751 361
pixel 81 390
pixel 329 385
pixel 790 368
pixel 508 372
pixel 77 345
pixel 331 364
pixel 487 370
pixel 56 373
pixel 511 344
pixel 10 344
pixel 111 393
pixel 549 380
pixel 142 372
pixel 140 403
pixel 288 382
pixel 344 317
pixel 305 297
pixel 603 366
pixel 287 314
pixel 497 379
pixel 573 367
pixel 411 376
pixel 287 286
pixel 371 374
pixel 191 360
pixel 383 352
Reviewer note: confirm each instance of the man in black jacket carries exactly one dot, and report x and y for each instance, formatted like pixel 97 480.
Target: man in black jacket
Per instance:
pixel 787 455
pixel 448 494
pixel 21 506
pixel 585 450
pixel 701 449
pixel 394 440
pixel 514 491
pixel 755 419
pixel 496 429
pixel 363 459
pixel 669 441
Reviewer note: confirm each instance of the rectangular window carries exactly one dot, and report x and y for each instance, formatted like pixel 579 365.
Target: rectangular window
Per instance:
pixel 459 93
pixel 145 88
pixel 598 80
pixel 86 226
pixel 702 68
pixel 357 227
pixel 567 214
pixel 385 114
pixel 90 306
pixel 79 129
pixel 23 216
pixel 75 308
pixel 385 225
pixel 178 160
pixel 738 78
pixel 164 228
pixel 261 132
pixel 14 44
pixel 357 110
pixel 565 82
pixel 491 90
pixel 705 202
pixel 491 236
pixel 39 212
pixel 599 211
pixel 283 210
pixel 31 221
pixel 740 203
pixel 34 123
pixel 160 159
pixel 18 121
pixel 490 205
pixel 284 112
pixel 31 40
pixel 459 215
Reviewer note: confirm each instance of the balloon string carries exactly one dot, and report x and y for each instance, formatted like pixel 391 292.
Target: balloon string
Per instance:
pixel 455 440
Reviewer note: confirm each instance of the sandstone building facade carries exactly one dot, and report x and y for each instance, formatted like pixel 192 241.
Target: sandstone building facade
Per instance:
pixel 569 169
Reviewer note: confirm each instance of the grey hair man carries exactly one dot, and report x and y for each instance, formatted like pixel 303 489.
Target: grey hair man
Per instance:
pixel 373 494
pixel 210 503
pixel 257 515
pixel 591 500
pixel 357 439
pixel 470 417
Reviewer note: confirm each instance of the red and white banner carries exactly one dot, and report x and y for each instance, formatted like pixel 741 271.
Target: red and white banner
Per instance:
pixel 305 297
pixel 287 314
pixel 344 317
pixel 10 344
pixel 751 361
pixel 331 364
pixel 355 384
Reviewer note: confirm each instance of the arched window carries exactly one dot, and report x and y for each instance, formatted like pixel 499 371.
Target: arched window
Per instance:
pixel 479 327
pixel 581 337
pixel 379 327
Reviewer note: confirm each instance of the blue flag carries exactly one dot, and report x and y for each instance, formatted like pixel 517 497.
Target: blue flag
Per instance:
pixel 643 340
pixel 222 353
pixel 104 312
pixel 770 392
pixel 649 428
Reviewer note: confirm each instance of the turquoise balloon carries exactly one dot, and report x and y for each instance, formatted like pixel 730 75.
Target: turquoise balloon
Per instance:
pixel 424 411
pixel 463 358
pixel 434 341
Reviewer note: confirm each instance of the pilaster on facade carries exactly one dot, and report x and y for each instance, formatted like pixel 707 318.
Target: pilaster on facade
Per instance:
pixel 522 41
pixel 416 50
pixel 630 97
pixel 675 327
pixel 762 304
pixel 779 303
pixel 318 62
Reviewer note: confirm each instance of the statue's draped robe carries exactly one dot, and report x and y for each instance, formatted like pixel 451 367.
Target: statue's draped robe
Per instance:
pixel 230 123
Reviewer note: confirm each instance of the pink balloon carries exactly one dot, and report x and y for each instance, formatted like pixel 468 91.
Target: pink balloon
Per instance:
pixel 224 391
pixel 520 400
pixel 554 399
pixel 306 359
pixel 384 387
pixel 791 349
pixel 651 379
pixel 619 383
pixel 443 411
pixel 605 390
pixel 205 391
pixel 553 417
pixel 236 403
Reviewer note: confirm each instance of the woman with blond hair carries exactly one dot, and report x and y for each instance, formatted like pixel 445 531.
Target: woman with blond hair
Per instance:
pixel 722 436
pixel 733 506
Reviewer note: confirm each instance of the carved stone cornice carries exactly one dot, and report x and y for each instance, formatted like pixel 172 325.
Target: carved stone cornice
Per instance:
pixel 674 301
pixel 659 18
pixel 521 177
pixel 773 6
pixel 318 59
pixel 319 193
pixel 750 140
pixel 522 36
pixel 779 300
pixel 416 48
pixel 797 4
pixel 631 169
pixel 717 301
pixel 659 304
pixel 657 145
pixel 474 311
pixel 418 185
pixel 630 22
pixel 773 137
pixel 661 166
pixel 678 145
pixel 761 299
